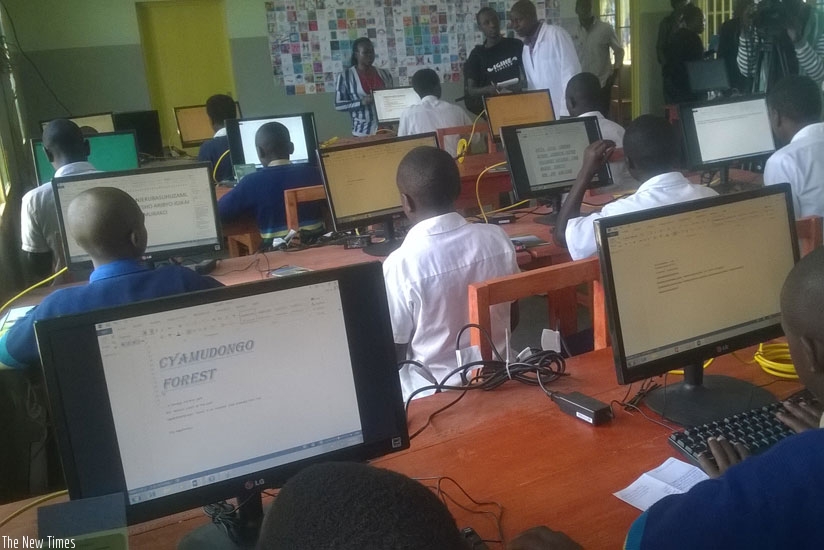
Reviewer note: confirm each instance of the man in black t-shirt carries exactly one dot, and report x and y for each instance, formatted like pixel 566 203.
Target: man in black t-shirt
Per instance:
pixel 493 67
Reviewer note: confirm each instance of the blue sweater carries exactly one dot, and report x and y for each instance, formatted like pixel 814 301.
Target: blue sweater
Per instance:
pixel 775 500
pixel 211 151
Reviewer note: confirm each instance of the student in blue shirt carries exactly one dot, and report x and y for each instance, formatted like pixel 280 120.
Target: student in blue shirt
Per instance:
pixel 108 224
pixel 220 108
pixel 260 194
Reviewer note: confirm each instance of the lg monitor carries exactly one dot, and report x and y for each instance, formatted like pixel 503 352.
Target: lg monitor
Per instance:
pixel 302 132
pixel 708 75
pixel 108 152
pixel 193 399
pixel 692 281
pixel 390 103
pixel 361 184
pixel 178 202
pixel 194 126
pixel 100 122
pixel 518 109
pixel 146 125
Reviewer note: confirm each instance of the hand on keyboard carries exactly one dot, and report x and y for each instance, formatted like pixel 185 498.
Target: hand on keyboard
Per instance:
pixel 801 416
pixel 721 455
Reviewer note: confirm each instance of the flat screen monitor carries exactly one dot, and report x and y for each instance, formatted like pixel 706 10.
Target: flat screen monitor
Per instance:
pixel 146 125
pixel 708 75
pixel 193 124
pixel 518 109
pixel 178 202
pixel 390 103
pixel 688 282
pixel 720 133
pixel 100 122
pixel 302 132
pixel 189 400
pixel 109 152
pixel 545 158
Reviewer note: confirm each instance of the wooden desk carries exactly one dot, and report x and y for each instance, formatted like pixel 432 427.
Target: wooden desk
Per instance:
pixel 515 447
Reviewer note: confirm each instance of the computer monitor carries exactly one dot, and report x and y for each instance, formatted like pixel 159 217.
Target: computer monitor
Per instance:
pixel 193 399
pixel 361 184
pixel 390 103
pixel 692 281
pixel 178 202
pixel 518 109
pixel 146 124
pixel 194 126
pixel 708 75
pixel 109 152
pixel 101 122
pixel 721 133
pixel 302 131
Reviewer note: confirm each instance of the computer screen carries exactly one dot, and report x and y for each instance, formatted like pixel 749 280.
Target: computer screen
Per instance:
pixel 178 202
pixel 109 152
pixel 688 282
pixel 194 126
pixel 197 398
pixel 146 125
pixel 721 132
pixel 101 122
pixel 390 103
pixel 708 75
pixel 301 131
pixel 518 109
pixel 545 158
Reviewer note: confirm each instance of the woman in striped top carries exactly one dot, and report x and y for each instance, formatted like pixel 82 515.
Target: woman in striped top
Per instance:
pixel 353 90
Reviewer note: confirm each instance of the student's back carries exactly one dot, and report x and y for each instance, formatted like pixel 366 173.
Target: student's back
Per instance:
pixel 219 108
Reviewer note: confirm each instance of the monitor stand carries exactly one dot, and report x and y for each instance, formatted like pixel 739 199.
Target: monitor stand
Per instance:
pixel 552 217
pixel 699 399
pixel 389 244
pixel 213 536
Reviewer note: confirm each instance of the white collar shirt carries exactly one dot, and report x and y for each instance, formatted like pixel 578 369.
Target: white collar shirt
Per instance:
pixel 622 179
pixel 432 114
pixel 662 190
pixel 220 133
pixel 593 47
pixel 801 164
pixel 549 64
pixel 427 281
pixel 279 162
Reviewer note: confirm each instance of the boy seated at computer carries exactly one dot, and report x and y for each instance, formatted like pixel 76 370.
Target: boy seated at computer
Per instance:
pixel 220 108
pixel 651 151
pixel 432 114
pixel 260 194
pixel 427 278
pixel 794 105
pixel 109 225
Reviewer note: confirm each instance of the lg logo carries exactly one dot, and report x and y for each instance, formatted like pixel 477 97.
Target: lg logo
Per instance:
pixel 252 483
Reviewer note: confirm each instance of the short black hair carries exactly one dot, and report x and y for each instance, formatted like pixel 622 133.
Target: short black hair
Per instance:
pixel 426 82
pixel 62 137
pixel 349 506
pixel 676 3
pixel 430 176
pixel 353 60
pixel 652 144
pixel 585 89
pixel 485 9
pixel 691 12
pixel 220 108
pixel 797 98
pixel 274 139
pixel 526 8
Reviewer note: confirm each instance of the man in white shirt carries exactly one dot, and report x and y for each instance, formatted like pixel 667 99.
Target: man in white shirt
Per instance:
pixel 431 113
pixel 427 278
pixel 68 151
pixel 651 150
pixel 549 56
pixel 795 116
pixel 582 100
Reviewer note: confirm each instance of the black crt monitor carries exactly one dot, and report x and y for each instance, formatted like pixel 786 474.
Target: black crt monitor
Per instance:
pixel 189 400
pixel 518 109
pixel 390 103
pixel 194 126
pixel 146 124
pixel 100 122
pixel 692 281
pixel 708 75
pixel 108 152
pixel 361 184
pixel 178 202
pixel 302 132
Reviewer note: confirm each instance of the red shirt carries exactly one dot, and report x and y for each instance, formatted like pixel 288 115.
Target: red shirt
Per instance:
pixel 371 81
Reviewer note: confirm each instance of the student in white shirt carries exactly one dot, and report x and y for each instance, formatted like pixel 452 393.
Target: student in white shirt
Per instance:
pixel 795 116
pixel 651 151
pixel 431 113
pixel 549 56
pixel 68 151
pixel 427 278
pixel 582 100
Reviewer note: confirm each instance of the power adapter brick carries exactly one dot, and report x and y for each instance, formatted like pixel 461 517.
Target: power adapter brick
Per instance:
pixel 583 407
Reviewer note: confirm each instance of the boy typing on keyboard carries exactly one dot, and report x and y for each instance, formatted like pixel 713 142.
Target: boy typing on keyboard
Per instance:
pixel 773 500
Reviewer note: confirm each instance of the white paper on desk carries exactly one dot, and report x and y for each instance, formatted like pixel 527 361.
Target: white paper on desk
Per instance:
pixel 672 477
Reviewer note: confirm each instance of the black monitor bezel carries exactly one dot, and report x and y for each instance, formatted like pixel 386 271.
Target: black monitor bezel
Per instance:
pixel 310 134
pixel 34 141
pixel 84 266
pixel 361 315
pixel 692 149
pixel 152 141
pixel 627 375
pixel 347 224
pixel 517 166
pixel 44 123
pixel 692 74
pixel 196 142
pixel 486 99
pixel 391 120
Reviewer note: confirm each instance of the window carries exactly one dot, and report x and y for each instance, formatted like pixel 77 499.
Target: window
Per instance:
pixel 616 13
pixel 716 12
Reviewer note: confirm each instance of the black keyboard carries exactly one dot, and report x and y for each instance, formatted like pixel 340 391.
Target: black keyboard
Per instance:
pixel 758 429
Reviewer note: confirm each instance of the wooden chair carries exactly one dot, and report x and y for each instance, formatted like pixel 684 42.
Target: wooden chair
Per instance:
pixel 481 128
pixel 550 280
pixel 293 197
pixel 810 232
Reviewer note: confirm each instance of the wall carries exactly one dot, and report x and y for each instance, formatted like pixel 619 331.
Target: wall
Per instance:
pixel 649 96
